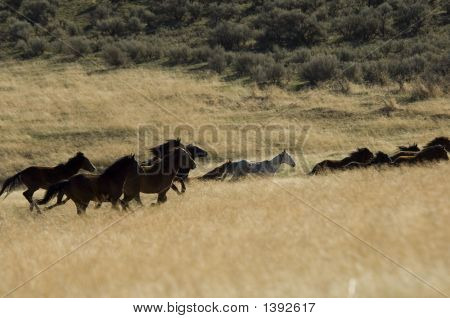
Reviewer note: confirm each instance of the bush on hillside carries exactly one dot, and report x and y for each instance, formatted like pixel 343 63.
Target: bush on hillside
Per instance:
pixel 232 36
pixel 38 11
pixel 321 68
pixel 113 55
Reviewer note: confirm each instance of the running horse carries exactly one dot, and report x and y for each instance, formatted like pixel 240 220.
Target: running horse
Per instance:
pixel 270 167
pixel 83 188
pixel 361 155
pixel 432 153
pixel 157 178
pixel 161 150
pixel 35 177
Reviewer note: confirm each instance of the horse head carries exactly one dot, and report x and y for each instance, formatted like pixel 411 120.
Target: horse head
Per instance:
pixel 287 159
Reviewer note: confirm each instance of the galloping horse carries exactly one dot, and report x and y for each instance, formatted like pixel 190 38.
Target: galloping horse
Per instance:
pixel 412 147
pixel 380 159
pixel 433 153
pixel 217 173
pixel 163 149
pixel 157 178
pixel 35 178
pixel 183 173
pixel 443 141
pixel 242 168
pixel 83 188
pixel 410 150
pixel 270 167
pixel 361 155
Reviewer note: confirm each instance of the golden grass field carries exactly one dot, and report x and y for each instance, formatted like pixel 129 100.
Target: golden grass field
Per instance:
pixel 279 237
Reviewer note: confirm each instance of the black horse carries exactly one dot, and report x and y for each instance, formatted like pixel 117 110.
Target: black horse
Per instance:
pixel 443 141
pixel 427 154
pixel 160 151
pixel 361 155
pixel 380 159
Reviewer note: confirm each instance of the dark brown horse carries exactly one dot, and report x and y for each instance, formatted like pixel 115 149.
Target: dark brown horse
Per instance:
pixel 183 173
pixel 443 141
pixel 409 150
pixel 361 155
pixel 161 150
pixel 218 173
pixel 83 188
pixel 157 178
pixel 380 159
pixel 433 153
pixel 35 178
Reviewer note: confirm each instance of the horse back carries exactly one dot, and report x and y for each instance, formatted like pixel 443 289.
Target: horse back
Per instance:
pixel 38 177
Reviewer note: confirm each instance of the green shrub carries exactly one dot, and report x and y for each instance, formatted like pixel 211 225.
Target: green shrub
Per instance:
pixel 320 68
pixel 268 73
pixel 244 62
pixel 18 29
pixel 201 54
pixel 113 55
pixel 112 26
pixel 352 72
pixel 288 28
pixel 77 46
pixel 134 25
pixel 217 60
pixel 410 18
pixel 32 48
pixel 14 3
pixel 232 36
pixel 359 27
pixel 180 54
pixel 39 11
pixel 374 72
pixel 300 56
pixel 140 52
pixel 4 15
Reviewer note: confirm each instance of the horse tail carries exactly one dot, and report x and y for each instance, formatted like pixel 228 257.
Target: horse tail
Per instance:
pixel 52 192
pixel 11 184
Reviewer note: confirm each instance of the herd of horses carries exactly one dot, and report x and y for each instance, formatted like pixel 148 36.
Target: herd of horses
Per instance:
pixel 171 162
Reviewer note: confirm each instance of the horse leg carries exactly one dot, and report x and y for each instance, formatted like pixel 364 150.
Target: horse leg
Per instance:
pixel 81 207
pixel 174 188
pixel 126 200
pixel 59 201
pixel 28 194
pixel 114 204
pixel 162 197
pixel 183 186
pixel 138 199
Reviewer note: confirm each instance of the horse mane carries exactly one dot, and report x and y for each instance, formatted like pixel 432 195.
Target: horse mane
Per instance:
pixel 160 150
pixel 358 152
pixel 72 160
pixel 381 155
pixel 438 141
pixel 408 148
pixel 117 164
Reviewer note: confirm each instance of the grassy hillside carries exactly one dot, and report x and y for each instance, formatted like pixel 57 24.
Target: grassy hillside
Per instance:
pixel 252 238
pixel 293 44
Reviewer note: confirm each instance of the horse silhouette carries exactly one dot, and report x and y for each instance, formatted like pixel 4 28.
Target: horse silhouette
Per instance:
pixel 35 177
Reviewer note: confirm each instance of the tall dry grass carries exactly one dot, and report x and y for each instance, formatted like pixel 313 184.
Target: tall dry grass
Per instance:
pixel 258 237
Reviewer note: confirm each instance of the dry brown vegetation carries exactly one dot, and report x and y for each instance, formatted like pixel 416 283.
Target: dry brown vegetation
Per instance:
pixel 258 237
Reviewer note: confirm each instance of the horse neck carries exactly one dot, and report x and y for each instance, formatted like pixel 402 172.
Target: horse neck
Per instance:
pixel 276 162
pixel 167 161
pixel 69 169
pixel 347 160
pixel 117 175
